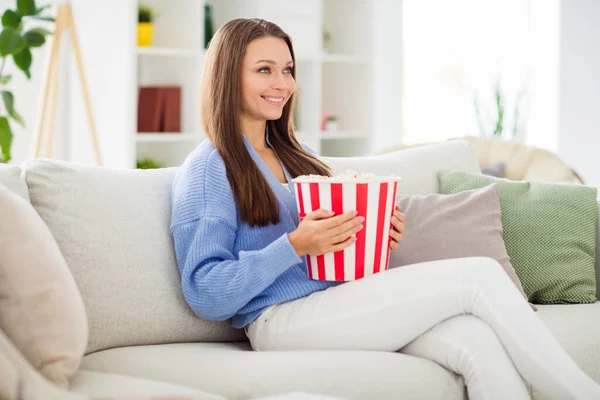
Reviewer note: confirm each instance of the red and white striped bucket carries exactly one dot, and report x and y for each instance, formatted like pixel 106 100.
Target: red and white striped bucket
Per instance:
pixel 373 199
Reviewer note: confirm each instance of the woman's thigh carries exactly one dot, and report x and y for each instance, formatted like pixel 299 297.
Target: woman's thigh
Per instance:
pixel 381 312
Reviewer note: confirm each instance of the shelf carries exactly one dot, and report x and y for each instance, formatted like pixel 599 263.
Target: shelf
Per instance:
pixel 342 135
pixel 169 52
pixel 168 137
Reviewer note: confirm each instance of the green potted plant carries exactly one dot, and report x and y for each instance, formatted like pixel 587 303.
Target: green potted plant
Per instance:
pixel 148 163
pixel 16 42
pixel 145 28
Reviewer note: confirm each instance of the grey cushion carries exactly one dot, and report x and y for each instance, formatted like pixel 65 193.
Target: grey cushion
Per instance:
pixel 235 372
pixel 112 227
pixel 439 227
pixel 10 176
pixel 496 170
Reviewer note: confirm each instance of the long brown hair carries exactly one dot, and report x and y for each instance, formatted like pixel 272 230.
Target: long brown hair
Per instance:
pixel 221 106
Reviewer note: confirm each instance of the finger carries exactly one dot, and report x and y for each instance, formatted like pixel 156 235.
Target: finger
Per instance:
pixel 343 245
pixel 339 219
pixel 318 214
pixel 394 245
pixel 401 217
pixel 395 235
pixel 352 229
pixel 398 207
pixel 397 225
pixel 346 226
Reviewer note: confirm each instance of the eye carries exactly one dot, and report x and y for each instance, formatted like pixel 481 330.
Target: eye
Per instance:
pixel 289 70
pixel 264 69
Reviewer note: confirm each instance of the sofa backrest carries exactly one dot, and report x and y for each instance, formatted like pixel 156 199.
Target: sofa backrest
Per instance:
pixel 112 226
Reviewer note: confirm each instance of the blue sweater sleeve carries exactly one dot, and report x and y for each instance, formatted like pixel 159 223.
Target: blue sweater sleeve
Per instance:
pixel 215 283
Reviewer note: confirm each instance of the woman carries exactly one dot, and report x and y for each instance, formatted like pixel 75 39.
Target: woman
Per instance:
pixel 240 247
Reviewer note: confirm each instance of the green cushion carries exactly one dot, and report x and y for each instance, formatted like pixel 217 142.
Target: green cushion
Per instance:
pixel 549 231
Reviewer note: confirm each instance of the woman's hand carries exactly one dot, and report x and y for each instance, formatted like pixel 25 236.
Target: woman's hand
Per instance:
pixel 397 232
pixel 319 233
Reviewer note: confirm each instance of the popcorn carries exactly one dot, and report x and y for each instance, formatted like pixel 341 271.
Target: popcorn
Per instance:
pixel 373 197
pixel 347 175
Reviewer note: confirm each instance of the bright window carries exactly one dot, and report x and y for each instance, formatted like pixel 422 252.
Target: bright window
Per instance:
pixel 455 53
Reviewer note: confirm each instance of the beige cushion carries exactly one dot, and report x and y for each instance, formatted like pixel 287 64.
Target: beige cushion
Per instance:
pixel 577 329
pixel 19 380
pixel 467 224
pixel 121 387
pixel 235 372
pixel 10 176
pixel 112 226
pixel 41 310
pixel 416 166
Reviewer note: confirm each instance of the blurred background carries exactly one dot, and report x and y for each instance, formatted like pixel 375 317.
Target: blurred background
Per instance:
pixel 373 75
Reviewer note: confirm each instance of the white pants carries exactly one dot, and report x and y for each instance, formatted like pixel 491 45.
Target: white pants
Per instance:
pixel 465 314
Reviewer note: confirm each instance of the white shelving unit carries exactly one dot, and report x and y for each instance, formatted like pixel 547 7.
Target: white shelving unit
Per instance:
pixel 337 78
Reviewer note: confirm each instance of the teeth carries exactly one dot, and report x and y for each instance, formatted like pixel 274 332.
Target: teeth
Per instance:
pixel 275 99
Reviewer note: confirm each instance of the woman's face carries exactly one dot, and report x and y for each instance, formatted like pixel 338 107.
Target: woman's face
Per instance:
pixel 267 80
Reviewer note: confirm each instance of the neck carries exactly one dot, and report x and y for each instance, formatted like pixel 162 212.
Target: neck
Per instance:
pixel 254 131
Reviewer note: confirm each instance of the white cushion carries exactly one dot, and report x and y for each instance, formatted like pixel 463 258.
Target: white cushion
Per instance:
pixel 236 372
pixel 417 166
pixel 112 226
pixel 10 176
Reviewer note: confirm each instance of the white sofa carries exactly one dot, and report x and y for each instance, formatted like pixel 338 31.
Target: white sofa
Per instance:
pixel 112 227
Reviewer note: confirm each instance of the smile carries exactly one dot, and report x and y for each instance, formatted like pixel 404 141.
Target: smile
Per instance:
pixel 275 101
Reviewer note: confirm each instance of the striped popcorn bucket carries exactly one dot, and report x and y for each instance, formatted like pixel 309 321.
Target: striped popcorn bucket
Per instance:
pixel 373 199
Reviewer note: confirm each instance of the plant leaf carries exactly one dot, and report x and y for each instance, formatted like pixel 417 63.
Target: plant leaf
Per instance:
pixel 11 42
pixel 10 19
pixel 6 137
pixel 34 39
pixel 4 79
pixel 26 7
pixel 40 18
pixel 41 9
pixel 9 103
pixel 23 61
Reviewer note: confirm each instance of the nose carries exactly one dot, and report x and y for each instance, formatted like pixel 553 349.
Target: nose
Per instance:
pixel 279 82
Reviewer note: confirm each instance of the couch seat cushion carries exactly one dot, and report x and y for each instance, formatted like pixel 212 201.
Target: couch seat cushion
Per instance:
pixel 122 387
pixel 577 329
pixel 234 371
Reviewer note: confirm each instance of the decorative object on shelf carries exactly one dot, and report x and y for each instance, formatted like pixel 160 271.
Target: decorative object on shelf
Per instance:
pixel 148 163
pixel 159 109
pixel 64 21
pixel 329 123
pixel 494 120
pixel 145 28
pixel 327 45
pixel 209 29
pixel 332 124
pixel 16 41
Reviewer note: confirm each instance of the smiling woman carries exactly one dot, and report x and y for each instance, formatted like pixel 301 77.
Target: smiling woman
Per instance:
pixel 248 90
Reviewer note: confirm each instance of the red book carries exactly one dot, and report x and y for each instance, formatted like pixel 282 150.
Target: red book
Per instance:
pixel 171 109
pixel 148 118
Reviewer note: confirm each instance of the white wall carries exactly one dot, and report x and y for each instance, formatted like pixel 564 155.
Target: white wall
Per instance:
pixel 108 40
pixel 579 110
